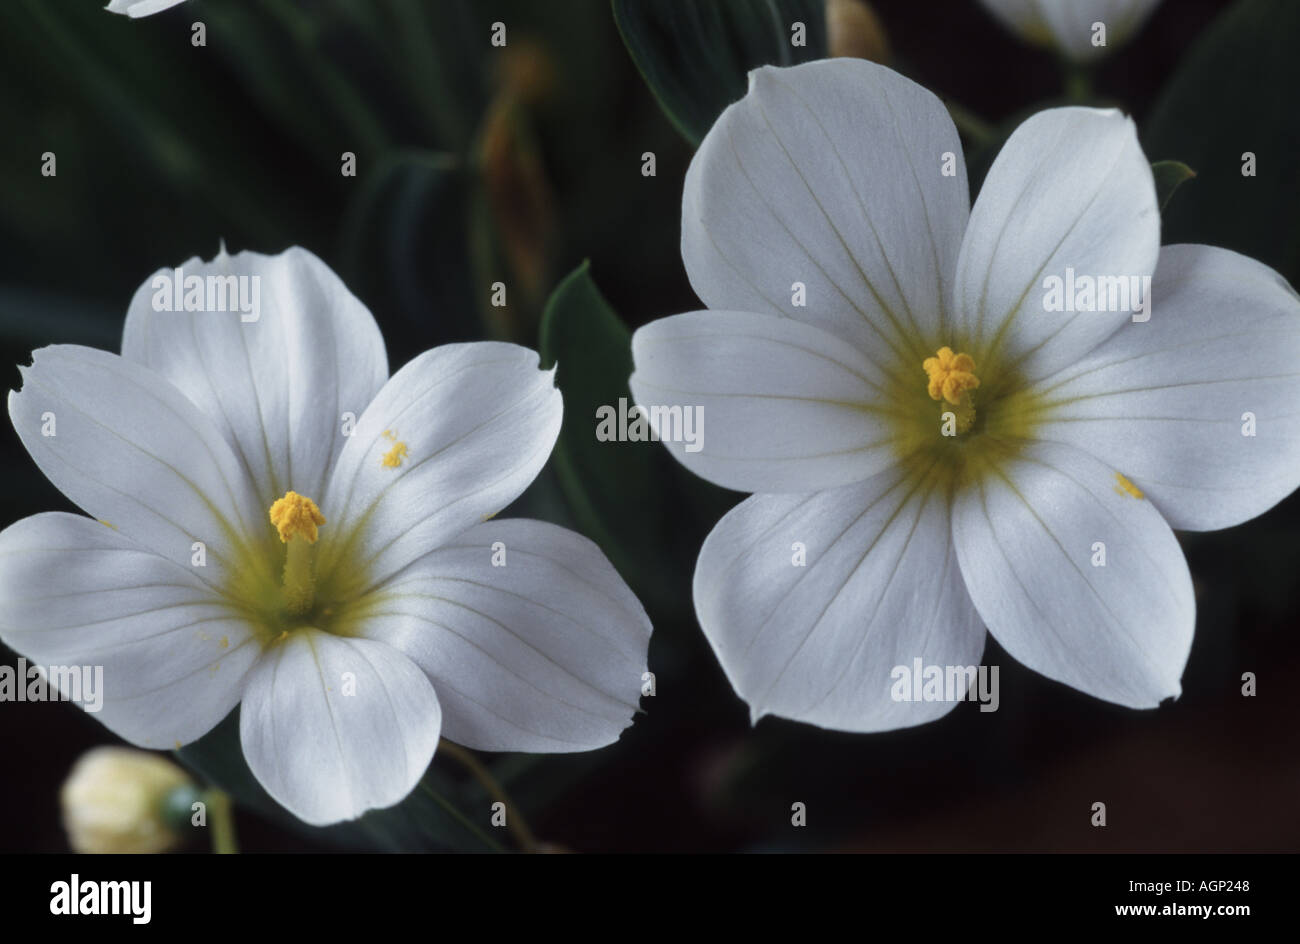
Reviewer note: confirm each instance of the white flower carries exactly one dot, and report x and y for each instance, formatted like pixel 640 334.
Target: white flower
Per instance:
pixel 379 584
pixel 1085 429
pixel 139 8
pixel 114 798
pixel 1068 25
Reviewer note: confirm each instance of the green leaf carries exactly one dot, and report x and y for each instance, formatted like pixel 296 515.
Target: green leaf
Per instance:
pixel 430 819
pixel 1169 176
pixel 695 55
pixel 1229 97
pixel 404 249
pixel 618 490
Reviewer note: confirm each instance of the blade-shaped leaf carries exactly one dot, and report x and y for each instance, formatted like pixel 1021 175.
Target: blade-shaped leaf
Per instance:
pixel 618 490
pixel 695 55
pixel 1169 175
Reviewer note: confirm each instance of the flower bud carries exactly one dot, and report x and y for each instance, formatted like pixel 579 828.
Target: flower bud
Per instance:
pixel 115 798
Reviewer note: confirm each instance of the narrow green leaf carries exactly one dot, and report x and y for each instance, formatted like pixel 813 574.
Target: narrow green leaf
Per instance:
pixel 404 249
pixel 1226 113
pixel 617 490
pixel 695 55
pixel 1169 176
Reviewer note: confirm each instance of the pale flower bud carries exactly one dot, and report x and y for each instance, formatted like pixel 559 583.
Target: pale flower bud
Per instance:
pixel 113 801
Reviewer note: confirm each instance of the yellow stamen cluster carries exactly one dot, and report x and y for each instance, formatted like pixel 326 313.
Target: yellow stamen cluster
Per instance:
pixel 296 515
pixel 951 375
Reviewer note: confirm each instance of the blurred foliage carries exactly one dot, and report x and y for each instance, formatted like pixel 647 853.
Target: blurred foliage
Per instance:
pixel 478 165
pixel 1232 96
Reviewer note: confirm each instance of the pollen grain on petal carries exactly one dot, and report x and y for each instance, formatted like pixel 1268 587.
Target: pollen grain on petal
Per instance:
pixel 296 515
pixel 1124 487
pixel 394 456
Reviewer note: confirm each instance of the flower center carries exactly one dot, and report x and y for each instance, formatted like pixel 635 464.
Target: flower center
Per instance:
pixel 953 380
pixel 296 518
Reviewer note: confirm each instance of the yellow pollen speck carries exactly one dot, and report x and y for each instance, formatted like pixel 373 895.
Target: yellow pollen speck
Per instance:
pixel 394 456
pixel 224 642
pixel 295 515
pixel 178 745
pixel 1124 487
pixel 106 524
pixel 951 375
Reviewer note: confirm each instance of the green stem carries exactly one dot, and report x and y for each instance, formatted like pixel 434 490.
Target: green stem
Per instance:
pixel 460 817
pixel 1078 84
pixel 515 821
pixel 976 129
pixel 221 820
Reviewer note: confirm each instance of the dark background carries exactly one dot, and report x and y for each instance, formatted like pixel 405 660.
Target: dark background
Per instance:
pixel 477 164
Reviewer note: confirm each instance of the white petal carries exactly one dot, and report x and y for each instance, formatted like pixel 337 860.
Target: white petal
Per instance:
pixel 333 726
pixel 1068 24
pixel 1070 189
pixel 820 642
pixel 132 451
pixel 543 653
pixel 1029 542
pixel 277 387
pixel 1166 401
pixel 138 8
pixel 829 174
pixel 476 422
pixel 770 404
pixel 173 654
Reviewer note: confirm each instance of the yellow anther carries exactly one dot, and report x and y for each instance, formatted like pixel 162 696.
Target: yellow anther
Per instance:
pixel 951 375
pixel 1124 487
pixel 296 515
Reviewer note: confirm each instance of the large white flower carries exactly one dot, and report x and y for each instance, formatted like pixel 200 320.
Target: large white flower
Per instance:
pixel 345 584
pixel 1071 430
pixel 1068 25
pixel 139 8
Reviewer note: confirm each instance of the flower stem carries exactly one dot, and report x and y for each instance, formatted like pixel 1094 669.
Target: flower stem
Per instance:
pixel 460 818
pixel 515 821
pixel 221 820
pixel 1078 84
pixel 975 128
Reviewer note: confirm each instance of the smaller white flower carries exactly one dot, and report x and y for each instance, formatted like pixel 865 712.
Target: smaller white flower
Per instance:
pixel 1069 25
pixel 113 801
pixel 138 8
